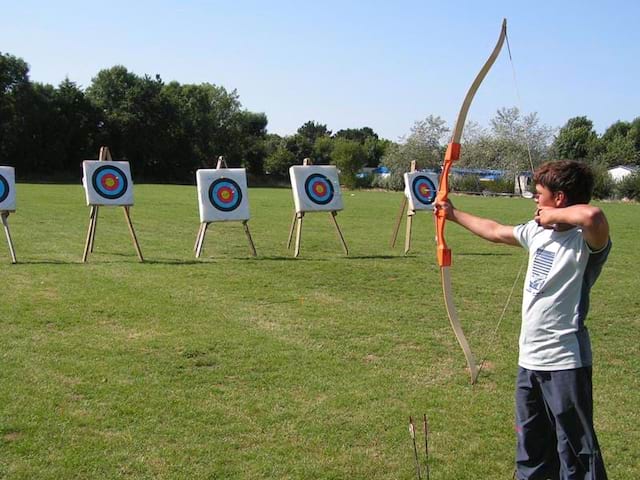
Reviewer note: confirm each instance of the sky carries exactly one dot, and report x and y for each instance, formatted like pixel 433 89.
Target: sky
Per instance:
pixel 350 64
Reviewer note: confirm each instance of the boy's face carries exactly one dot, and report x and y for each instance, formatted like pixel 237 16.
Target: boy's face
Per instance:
pixel 546 198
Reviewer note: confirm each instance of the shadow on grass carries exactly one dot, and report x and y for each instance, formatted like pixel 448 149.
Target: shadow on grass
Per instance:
pixel 47 262
pixel 375 257
pixel 486 254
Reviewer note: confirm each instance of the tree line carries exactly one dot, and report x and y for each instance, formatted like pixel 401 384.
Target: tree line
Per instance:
pixel 165 130
pixel 169 130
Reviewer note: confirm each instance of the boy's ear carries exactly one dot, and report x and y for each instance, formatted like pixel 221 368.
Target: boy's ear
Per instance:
pixel 560 199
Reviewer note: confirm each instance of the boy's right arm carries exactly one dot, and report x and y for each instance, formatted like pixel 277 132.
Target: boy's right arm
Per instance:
pixel 482 227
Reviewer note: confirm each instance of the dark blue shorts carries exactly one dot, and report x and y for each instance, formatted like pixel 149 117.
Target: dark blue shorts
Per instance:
pixel 554 426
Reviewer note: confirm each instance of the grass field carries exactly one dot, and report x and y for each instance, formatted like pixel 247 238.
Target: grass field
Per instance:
pixel 272 367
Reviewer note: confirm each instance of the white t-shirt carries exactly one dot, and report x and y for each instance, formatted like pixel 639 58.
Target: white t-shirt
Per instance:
pixel 562 269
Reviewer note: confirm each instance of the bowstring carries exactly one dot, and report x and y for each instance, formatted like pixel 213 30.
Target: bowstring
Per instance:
pixel 519 99
pixel 525 256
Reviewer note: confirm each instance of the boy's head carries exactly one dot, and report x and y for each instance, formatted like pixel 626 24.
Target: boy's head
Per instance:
pixel 574 179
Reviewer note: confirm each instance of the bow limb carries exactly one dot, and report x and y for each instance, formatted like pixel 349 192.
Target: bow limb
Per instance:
pixel 443 251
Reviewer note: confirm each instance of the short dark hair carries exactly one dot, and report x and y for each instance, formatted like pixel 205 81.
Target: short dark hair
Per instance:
pixel 573 178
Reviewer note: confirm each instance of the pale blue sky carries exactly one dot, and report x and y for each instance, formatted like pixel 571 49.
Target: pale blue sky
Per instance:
pixel 382 64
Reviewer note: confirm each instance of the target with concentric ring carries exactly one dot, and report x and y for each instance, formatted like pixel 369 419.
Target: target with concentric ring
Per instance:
pixel 225 194
pixel 319 189
pixel 4 188
pixel 109 182
pixel 424 190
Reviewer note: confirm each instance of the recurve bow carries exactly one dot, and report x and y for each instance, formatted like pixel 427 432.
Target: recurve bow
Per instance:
pixel 444 252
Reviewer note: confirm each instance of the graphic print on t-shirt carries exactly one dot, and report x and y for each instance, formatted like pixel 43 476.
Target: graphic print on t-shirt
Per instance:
pixel 542 262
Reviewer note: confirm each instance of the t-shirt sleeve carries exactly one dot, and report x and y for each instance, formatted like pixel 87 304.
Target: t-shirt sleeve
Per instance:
pixel 524 233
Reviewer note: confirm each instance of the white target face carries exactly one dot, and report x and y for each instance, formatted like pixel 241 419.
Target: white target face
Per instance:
pixel 316 188
pixel 222 194
pixel 107 183
pixel 7 189
pixel 421 189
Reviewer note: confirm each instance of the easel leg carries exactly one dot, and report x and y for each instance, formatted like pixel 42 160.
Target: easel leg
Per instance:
pixel 198 235
pixel 299 217
pixel 407 238
pixel 335 222
pixel 5 223
pixel 203 232
pixel 93 229
pixel 396 228
pixel 87 244
pixel 293 226
pixel 133 233
pixel 252 247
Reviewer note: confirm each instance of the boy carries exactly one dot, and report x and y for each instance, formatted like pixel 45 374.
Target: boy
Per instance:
pixel 568 243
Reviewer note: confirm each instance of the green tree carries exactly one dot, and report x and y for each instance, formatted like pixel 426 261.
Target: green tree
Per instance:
pixel 76 126
pixel 15 92
pixel 617 145
pixel 374 147
pixel 312 131
pixel 619 151
pixel 138 121
pixel 349 156
pixel 617 129
pixel 278 162
pixel 513 143
pixel 322 150
pixel 603 185
pixel 356 134
pixel 248 148
pixel 425 142
pixel 634 136
pixel 576 140
pixel 629 187
pixel 424 145
pixel 398 162
pixel 299 146
pixel 205 114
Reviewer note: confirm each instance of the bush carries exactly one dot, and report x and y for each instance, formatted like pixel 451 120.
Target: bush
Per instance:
pixel 364 181
pixel 501 185
pixel 603 186
pixel 389 182
pixel 629 187
pixel 465 183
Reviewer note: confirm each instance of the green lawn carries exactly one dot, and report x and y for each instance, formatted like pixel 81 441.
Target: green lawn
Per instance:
pixel 273 367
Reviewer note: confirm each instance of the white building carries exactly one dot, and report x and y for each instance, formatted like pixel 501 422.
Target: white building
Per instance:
pixel 621 171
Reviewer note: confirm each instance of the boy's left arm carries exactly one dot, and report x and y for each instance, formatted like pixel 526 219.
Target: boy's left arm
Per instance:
pixel 591 219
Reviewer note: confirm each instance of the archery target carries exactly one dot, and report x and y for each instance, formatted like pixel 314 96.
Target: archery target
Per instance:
pixel 421 190
pixel 318 188
pixel 107 182
pixel 7 189
pixel 222 194
pixel 315 188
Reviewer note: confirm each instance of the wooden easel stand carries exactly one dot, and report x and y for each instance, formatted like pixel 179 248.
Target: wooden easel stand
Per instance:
pixel 7 232
pixel 202 230
pixel 410 215
pixel 105 155
pixel 297 222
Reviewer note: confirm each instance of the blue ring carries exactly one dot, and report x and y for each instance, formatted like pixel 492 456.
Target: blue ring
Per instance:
pixel 213 194
pixel 319 199
pixel 96 181
pixel 4 188
pixel 415 187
